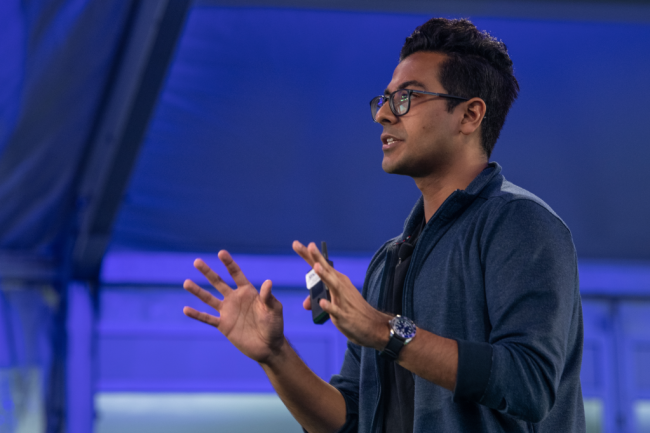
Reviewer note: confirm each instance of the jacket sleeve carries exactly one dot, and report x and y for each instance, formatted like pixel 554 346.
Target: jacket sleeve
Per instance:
pixel 531 289
pixel 347 382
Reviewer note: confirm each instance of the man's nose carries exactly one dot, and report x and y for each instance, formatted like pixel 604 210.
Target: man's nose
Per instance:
pixel 385 114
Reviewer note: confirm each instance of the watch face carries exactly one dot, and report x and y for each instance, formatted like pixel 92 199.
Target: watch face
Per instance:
pixel 403 327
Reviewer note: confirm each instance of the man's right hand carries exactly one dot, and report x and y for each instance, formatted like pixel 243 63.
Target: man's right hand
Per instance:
pixel 252 321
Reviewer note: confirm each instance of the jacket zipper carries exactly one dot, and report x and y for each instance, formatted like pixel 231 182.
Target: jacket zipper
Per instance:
pixel 414 267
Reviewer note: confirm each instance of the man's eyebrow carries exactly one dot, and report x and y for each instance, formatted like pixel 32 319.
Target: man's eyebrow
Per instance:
pixel 404 85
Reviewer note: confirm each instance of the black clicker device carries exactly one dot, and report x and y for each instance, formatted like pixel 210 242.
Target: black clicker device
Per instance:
pixel 318 290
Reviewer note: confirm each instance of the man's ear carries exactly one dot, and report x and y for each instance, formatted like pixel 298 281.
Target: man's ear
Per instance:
pixel 473 115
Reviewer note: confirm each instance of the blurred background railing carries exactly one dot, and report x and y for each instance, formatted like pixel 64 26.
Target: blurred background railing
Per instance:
pixel 138 135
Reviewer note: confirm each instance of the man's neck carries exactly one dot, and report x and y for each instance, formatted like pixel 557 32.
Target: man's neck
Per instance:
pixel 438 186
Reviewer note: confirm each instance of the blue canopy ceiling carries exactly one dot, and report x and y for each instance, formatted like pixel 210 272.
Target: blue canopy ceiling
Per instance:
pixel 262 134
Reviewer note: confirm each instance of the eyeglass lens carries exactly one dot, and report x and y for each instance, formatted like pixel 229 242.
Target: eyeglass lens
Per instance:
pixel 376 104
pixel 400 102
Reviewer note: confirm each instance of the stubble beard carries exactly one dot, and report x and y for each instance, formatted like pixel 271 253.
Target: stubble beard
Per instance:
pixel 407 168
pixel 421 167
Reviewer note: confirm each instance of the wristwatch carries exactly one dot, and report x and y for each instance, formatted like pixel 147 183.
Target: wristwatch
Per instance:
pixel 402 331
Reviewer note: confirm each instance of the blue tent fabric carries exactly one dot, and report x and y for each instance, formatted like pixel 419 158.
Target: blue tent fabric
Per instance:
pixel 56 59
pixel 263 135
pixel 249 127
pixel 27 314
pixel 12 45
pixel 57 69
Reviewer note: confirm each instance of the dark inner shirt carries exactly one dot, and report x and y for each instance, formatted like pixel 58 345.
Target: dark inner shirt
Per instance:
pixel 398 385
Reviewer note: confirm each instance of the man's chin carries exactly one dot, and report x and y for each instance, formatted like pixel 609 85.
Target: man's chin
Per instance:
pixel 394 168
pixel 404 169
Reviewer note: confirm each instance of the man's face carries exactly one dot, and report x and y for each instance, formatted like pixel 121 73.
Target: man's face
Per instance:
pixel 422 141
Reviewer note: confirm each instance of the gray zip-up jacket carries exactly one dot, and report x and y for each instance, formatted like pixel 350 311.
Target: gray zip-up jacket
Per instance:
pixel 496 270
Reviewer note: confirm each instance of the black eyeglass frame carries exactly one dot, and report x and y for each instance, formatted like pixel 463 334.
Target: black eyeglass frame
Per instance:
pixel 408 107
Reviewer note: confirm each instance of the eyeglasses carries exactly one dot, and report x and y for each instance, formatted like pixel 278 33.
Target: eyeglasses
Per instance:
pixel 400 101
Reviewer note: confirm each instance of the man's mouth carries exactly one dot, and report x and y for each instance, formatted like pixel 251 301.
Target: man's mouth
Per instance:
pixel 390 142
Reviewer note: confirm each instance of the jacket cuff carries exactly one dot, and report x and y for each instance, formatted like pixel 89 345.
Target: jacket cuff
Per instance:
pixel 474 367
pixel 351 410
pixel 351 414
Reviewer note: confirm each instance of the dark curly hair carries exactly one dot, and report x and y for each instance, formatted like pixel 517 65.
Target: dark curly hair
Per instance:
pixel 477 65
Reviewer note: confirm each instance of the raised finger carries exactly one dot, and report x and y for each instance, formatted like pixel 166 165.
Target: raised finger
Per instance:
pixel 233 268
pixel 202 317
pixel 329 308
pixel 265 294
pixel 301 250
pixel 316 255
pixel 329 278
pixel 202 294
pixel 322 268
pixel 212 277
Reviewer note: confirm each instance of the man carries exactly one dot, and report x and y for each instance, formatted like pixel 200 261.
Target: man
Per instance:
pixel 483 278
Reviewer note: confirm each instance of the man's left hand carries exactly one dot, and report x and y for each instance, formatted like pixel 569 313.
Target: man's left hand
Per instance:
pixel 351 314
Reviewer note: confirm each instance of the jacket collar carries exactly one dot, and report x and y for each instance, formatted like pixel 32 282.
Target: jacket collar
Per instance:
pixel 457 202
